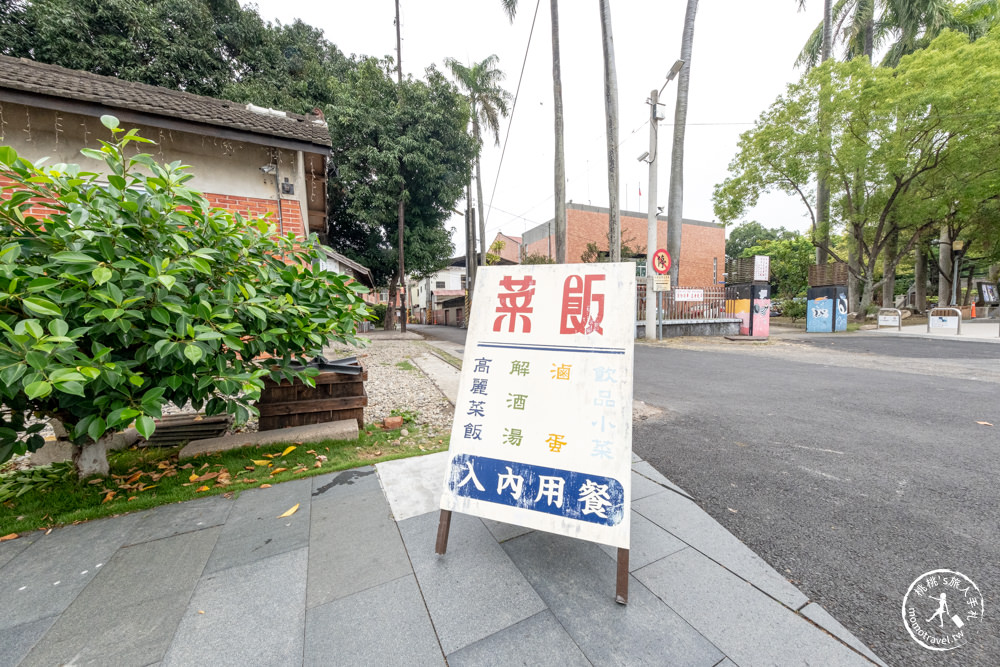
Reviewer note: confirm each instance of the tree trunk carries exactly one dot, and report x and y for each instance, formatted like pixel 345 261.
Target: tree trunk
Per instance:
pixel 822 236
pixel 92 458
pixel 853 270
pixel 920 275
pixel 867 293
pixel 479 193
pixel 390 311
pixel 889 270
pixel 944 267
pixel 560 158
pixel 611 115
pixel 470 254
pixel 675 201
pixel 994 273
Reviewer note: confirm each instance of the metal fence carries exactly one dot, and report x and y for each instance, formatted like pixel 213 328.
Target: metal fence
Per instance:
pixel 712 306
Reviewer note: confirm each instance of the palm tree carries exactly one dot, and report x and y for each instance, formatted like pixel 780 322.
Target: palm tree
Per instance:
pixel 675 203
pixel 510 7
pixel 488 101
pixel 611 113
pixel 904 26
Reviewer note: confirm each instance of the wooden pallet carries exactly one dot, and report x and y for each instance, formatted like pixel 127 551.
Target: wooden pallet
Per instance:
pixel 336 396
pixel 175 429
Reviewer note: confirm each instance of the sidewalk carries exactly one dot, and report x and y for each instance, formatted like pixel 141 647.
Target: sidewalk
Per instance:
pixel 981 331
pixel 352 578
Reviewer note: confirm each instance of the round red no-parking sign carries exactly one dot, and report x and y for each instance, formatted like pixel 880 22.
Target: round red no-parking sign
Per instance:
pixel 661 261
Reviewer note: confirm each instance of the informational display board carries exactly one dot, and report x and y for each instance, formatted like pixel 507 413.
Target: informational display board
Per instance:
pixel 661 283
pixel 689 294
pixel 761 268
pixel 888 320
pixel 988 293
pixel 542 435
pixel 943 322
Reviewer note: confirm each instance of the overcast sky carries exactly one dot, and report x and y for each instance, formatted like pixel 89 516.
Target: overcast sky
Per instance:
pixel 744 51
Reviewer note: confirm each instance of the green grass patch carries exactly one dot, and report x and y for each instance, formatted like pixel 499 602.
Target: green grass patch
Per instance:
pixel 451 359
pixel 141 478
pixel 405 365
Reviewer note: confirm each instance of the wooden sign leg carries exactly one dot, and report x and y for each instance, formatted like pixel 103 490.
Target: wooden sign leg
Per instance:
pixel 444 526
pixel 621 590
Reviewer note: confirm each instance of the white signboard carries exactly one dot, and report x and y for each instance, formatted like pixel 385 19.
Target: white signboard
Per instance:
pixel 689 294
pixel 661 283
pixel 542 435
pixel 761 267
pixel 943 322
pixel 888 320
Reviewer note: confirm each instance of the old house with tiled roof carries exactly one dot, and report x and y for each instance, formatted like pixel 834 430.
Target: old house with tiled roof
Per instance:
pixel 245 159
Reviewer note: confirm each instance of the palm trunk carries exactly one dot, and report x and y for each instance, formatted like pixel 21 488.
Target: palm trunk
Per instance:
pixel 675 202
pixel 944 268
pixel 560 157
pixel 479 196
pixel 611 115
pixel 822 234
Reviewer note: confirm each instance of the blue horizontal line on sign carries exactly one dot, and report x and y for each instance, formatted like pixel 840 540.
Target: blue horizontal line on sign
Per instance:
pixel 556 348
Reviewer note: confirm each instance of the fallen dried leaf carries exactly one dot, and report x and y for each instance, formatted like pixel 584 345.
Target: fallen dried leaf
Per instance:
pixel 985 423
pixel 288 450
pixel 277 470
pixel 311 451
pixel 193 477
pixel 95 481
pixel 109 496
pixel 732 510
pixel 134 477
pixel 265 486
pixel 204 478
pixel 131 498
pixel 261 463
pixel 186 466
pixel 200 611
pixel 290 512
pixel 201 488
pixel 317 465
pixel 249 468
pixel 9 536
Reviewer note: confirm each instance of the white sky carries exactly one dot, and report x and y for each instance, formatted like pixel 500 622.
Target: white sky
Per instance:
pixel 743 57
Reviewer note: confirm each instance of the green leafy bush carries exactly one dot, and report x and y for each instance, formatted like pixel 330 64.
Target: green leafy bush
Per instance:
pixel 793 308
pixel 378 311
pixel 135 293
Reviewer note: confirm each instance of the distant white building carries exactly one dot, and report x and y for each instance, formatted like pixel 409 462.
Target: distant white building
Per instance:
pixel 440 297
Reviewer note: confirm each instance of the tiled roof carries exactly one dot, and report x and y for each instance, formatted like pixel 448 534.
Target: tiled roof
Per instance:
pixel 34 77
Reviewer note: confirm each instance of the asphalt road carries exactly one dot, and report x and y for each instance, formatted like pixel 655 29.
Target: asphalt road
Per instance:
pixel 850 481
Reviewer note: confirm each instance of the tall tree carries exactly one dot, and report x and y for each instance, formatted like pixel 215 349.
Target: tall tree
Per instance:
pixel 510 6
pixel 611 115
pixel 675 203
pixel 909 150
pixel 488 102
pixel 420 147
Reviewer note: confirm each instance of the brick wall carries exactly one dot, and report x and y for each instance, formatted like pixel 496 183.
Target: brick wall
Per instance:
pixel 250 207
pixel 700 244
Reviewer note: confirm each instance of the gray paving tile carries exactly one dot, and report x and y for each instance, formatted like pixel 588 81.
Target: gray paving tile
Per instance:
pixel 688 522
pixel 353 545
pixel 472 591
pixel 822 618
pixel 636 458
pixel 645 469
pixel 336 485
pixel 45 578
pixel 178 518
pixel 577 582
pixel 505 531
pixel 649 543
pixel 538 640
pixel 385 625
pixel 11 548
pixel 643 486
pixel 15 642
pixel 748 626
pixel 254 614
pixel 129 612
pixel 253 530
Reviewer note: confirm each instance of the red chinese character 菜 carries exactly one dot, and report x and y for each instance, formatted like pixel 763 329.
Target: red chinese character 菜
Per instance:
pixel 516 302
pixel 582 310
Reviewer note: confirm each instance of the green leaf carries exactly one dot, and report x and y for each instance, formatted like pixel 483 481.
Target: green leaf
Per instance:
pixel 39 389
pixel 109 122
pixel 194 353
pixel 71 387
pixel 58 327
pixel 101 275
pixel 8 155
pixel 42 306
pixel 201 265
pixel 160 315
pixel 34 328
pixel 70 257
pixel 96 429
pixel 166 280
pixel 145 425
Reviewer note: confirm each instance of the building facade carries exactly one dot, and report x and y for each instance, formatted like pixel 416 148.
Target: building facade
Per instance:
pixel 703 244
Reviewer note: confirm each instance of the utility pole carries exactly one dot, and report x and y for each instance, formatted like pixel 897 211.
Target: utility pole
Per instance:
pixel 651 235
pixel 651 220
pixel 402 218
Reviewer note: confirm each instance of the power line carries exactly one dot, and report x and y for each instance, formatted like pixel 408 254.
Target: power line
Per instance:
pixel 512 110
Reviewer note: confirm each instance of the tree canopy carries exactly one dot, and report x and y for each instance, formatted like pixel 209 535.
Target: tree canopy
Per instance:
pixel 909 147
pixel 750 234
pixel 417 146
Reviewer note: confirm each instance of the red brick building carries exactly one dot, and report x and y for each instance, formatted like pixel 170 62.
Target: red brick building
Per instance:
pixel 244 158
pixel 703 244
